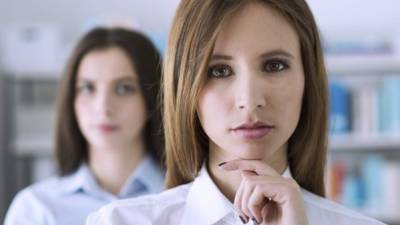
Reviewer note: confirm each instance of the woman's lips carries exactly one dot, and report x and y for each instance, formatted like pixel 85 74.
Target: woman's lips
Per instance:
pixel 252 131
pixel 107 128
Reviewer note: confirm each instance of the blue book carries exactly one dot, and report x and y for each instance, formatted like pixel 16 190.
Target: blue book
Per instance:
pixel 371 172
pixel 389 106
pixel 353 192
pixel 339 118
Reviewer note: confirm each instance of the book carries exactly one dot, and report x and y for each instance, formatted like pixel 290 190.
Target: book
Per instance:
pixel 389 106
pixel 339 117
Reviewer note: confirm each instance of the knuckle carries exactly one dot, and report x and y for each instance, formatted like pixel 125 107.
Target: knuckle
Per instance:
pixel 250 180
pixel 291 182
pixel 253 206
pixel 246 211
pixel 292 186
pixel 253 209
pixel 257 190
pixel 236 204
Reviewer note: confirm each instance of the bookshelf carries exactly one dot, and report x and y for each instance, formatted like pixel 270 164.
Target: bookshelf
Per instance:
pixel 343 65
pixel 32 112
pixel 34 127
pixel 39 145
pixel 372 153
pixel 362 143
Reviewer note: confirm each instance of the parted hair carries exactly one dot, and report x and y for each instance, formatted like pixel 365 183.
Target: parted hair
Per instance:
pixel 191 42
pixel 71 147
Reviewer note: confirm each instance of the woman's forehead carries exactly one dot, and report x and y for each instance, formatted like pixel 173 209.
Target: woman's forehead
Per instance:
pixel 256 26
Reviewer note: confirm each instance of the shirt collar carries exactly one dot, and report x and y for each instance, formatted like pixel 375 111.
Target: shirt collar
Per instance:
pixel 146 178
pixel 206 205
pixel 82 179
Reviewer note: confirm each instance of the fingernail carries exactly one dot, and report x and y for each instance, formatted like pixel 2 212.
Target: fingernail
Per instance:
pixel 221 164
pixel 255 221
pixel 242 219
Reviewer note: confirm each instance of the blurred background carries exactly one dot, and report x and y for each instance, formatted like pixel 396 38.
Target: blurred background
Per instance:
pixel 362 50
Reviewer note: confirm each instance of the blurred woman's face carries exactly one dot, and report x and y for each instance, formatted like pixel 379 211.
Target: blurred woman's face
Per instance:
pixel 251 102
pixel 109 104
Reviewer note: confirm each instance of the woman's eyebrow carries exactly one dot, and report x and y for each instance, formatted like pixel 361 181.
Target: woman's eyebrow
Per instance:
pixel 126 78
pixel 221 57
pixel 83 79
pixel 276 52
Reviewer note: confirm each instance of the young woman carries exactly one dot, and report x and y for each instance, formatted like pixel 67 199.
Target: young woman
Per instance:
pixel 245 110
pixel 108 138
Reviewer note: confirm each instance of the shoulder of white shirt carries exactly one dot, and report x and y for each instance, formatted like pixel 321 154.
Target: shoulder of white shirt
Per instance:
pixel 31 201
pixel 333 209
pixel 175 198
pixel 61 185
pixel 49 186
pixel 172 197
pixel 153 206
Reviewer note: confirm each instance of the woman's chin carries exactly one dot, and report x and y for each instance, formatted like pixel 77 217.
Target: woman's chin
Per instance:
pixel 251 154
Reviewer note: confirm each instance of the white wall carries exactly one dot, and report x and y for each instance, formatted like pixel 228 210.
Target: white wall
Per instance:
pixel 333 16
pixel 69 15
pixel 380 17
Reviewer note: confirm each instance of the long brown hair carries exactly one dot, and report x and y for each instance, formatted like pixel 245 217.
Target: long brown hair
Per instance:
pixel 191 41
pixel 70 144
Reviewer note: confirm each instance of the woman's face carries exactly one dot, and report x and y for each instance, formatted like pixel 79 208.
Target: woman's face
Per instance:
pixel 251 102
pixel 109 104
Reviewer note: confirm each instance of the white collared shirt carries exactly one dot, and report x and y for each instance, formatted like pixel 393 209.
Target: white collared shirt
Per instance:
pixel 201 203
pixel 69 200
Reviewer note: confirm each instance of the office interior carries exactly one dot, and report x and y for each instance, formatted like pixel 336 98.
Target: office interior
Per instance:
pixel 361 40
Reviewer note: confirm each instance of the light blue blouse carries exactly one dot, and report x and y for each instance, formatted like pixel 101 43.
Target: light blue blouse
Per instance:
pixel 68 200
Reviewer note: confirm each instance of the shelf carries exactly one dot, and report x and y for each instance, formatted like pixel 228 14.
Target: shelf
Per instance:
pixel 33 146
pixel 51 75
pixel 343 143
pixel 343 65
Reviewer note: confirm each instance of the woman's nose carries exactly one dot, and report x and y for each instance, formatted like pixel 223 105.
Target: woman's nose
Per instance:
pixel 103 104
pixel 250 94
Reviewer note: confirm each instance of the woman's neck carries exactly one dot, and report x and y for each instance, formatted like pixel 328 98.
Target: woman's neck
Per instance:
pixel 228 181
pixel 112 167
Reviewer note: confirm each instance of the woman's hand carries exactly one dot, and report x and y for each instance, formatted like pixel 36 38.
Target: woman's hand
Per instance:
pixel 265 196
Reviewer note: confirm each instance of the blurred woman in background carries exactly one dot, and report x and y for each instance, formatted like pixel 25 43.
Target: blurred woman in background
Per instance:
pixel 108 138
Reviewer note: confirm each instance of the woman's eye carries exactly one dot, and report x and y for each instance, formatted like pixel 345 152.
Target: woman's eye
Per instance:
pixel 85 89
pixel 275 66
pixel 125 89
pixel 220 71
